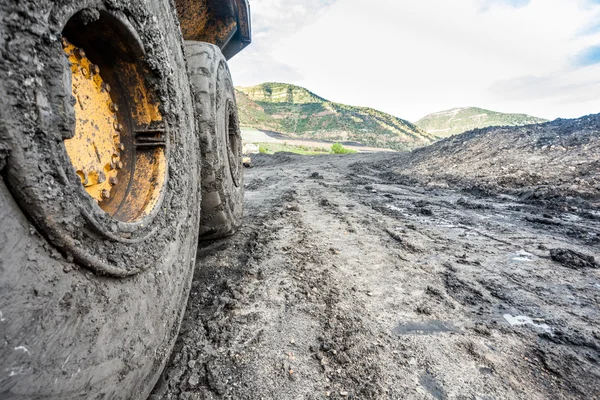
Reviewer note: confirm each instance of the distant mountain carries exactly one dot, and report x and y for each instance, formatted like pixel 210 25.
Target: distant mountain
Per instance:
pixel 458 120
pixel 298 112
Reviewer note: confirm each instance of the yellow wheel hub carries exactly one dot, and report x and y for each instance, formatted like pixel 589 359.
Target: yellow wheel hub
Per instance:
pixel 96 147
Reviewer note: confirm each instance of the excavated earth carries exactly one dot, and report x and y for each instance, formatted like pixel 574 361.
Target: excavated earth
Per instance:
pixel 465 270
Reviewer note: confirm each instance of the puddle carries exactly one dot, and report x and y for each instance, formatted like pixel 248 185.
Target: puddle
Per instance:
pixel 423 328
pixel 448 226
pixel 523 320
pixel 522 256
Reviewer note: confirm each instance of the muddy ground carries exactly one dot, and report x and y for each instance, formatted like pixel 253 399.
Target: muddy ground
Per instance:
pixel 363 277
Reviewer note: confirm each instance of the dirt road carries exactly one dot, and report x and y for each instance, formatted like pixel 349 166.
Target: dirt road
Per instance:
pixel 346 282
pixel 250 135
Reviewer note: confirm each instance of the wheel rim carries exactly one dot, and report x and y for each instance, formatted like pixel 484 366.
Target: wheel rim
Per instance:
pixel 120 142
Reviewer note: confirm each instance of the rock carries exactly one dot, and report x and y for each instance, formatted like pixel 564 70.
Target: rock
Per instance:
pixel 344 393
pixel 194 380
pixel 573 259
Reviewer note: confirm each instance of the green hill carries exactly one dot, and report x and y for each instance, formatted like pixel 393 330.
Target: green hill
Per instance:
pixel 300 113
pixel 458 120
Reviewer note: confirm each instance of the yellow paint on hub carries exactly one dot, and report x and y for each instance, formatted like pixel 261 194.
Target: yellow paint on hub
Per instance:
pixel 95 148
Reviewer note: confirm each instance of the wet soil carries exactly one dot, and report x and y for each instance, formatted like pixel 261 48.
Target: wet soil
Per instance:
pixel 357 277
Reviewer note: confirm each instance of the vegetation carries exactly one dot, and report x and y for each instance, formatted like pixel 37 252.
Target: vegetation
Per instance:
pixel 458 120
pixel 338 148
pixel 298 112
pixel 271 148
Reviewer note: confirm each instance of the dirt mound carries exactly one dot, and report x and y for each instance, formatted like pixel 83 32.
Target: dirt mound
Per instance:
pixel 556 164
pixel 263 160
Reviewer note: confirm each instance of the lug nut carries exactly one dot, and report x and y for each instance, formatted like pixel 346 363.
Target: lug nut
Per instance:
pixel 101 177
pixel 117 126
pixel 106 87
pixel 119 165
pixel 105 194
pixel 113 181
pixel 94 69
pixel 121 147
pixel 83 176
pixel 113 107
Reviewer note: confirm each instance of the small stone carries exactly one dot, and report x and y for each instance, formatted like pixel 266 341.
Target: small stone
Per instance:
pixel 194 380
pixel 344 393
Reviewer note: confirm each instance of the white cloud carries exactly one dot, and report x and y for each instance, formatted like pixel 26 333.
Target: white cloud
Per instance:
pixel 410 58
pixel 274 22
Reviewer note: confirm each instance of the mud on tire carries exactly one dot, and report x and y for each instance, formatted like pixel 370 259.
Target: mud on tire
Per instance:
pixel 90 305
pixel 221 144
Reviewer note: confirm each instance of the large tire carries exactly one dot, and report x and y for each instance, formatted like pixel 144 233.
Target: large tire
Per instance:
pixel 221 143
pixel 87 309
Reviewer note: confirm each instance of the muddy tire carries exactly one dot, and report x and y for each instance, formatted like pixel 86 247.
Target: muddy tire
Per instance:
pixel 91 301
pixel 220 137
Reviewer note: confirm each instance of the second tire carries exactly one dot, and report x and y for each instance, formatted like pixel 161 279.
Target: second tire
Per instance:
pixel 220 140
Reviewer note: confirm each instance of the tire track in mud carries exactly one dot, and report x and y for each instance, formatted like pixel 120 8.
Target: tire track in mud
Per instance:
pixel 309 293
pixel 337 288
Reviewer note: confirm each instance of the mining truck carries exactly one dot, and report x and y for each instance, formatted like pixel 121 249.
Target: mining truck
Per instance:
pixel 120 149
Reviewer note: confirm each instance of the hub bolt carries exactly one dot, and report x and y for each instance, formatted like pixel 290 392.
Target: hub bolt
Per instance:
pixel 119 165
pixel 105 194
pixel 106 87
pixel 83 176
pixel 94 69
pixel 113 107
pixel 113 181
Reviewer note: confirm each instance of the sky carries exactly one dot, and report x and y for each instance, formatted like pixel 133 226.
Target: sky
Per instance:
pixel 410 58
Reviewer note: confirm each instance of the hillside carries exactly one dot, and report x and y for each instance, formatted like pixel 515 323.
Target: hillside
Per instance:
pixel 458 120
pixel 298 112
